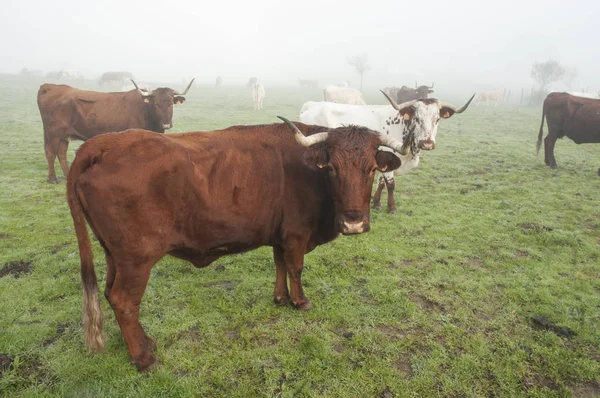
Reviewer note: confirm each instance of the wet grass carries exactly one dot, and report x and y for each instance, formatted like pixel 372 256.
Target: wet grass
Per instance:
pixel 438 300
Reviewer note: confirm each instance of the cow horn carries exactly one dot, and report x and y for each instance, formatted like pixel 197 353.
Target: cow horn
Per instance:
pixel 461 110
pixel 301 138
pixel 396 145
pixel 395 105
pixel 186 90
pixel 432 84
pixel 143 93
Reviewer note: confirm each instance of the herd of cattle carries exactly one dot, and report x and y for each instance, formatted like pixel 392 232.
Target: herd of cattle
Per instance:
pixel 201 195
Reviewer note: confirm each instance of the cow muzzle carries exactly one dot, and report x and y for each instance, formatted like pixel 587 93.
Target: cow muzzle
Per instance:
pixel 427 145
pixel 167 126
pixel 353 223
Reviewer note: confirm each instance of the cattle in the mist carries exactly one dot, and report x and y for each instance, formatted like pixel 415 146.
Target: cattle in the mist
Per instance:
pixel 120 77
pixel 258 96
pixel 575 117
pixel 306 83
pixel 252 81
pixel 69 75
pixel 71 114
pixel 405 93
pixel 413 123
pixel 200 196
pixel 343 95
pixel 30 73
pixel 489 97
pixel 218 81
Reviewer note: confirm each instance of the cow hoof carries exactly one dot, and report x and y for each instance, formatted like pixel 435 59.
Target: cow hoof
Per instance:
pixel 53 180
pixel 146 362
pixel 377 206
pixel 281 300
pixel 305 305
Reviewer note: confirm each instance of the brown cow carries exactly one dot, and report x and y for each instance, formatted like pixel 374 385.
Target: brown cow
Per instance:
pixel 68 113
pixel 108 77
pixel 567 115
pixel 199 196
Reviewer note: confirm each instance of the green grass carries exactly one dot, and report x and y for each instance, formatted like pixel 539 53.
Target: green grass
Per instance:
pixel 435 301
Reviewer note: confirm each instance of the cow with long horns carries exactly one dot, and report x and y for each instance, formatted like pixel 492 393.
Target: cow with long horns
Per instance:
pixel 199 196
pixel 68 114
pixel 414 124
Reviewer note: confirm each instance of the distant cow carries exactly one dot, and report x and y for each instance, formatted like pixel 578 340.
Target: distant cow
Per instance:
pixel 304 83
pixel 200 196
pixel 119 77
pixel 68 114
pixel 413 123
pixel 219 81
pixel 343 95
pixel 251 82
pixel 405 93
pixel 69 75
pixel 488 97
pixel 258 96
pixel 567 115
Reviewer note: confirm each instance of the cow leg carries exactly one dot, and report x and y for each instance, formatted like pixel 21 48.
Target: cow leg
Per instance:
pixel 294 261
pixel 125 297
pixel 51 149
pixel 391 184
pixel 377 196
pixel 281 294
pixel 549 142
pixel 63 146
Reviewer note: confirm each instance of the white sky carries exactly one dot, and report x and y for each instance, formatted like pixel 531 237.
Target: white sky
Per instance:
pixel 477 43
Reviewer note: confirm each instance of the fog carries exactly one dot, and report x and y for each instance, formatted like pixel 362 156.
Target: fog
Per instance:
pixel 474 44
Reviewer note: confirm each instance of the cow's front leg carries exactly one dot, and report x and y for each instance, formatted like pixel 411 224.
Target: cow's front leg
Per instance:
pixel 294 262
pixel 377 196
pixel 281 294
pixel 391 185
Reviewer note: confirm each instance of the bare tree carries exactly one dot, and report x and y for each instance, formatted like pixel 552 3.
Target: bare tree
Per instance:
pixel 547 72
pixel 570 75
pixel 360 63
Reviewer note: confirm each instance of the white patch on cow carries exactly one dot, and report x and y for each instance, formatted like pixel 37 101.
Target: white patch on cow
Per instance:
pixel 258 96
pixel 354 228
pixel 343 95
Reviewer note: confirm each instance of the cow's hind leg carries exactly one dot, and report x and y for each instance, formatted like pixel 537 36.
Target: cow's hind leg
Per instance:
pixel 125 296
pixel 51 148
pixel 377 196
pixel 391 185
pixel 549 143
pixel 281 294
pixel 63 146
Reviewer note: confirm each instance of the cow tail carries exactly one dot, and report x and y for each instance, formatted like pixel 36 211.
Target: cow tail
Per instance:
pixel 92 311
pixel 541 133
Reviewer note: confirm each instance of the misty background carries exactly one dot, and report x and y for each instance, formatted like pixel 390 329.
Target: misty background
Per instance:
pixel 461 45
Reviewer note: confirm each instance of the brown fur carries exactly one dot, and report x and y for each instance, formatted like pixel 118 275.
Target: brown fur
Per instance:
pixel 68 113
pixel 567 115
pixel 199 196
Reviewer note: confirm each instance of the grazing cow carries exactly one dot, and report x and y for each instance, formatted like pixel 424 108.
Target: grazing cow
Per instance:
pixel 69 75
pixel 252 81
pixel 219 81
pixel 199 196
pixel 258 96
pixel 405 93
pixel 68 113
pixel 120 77
pixel 343 95
pixel 304 83
pixel 489 96
pixel 414 123
pixel 567 115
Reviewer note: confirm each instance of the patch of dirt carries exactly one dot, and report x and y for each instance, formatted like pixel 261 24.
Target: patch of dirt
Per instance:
pixel 60 329
pixel 405 263
pixel 426 304
pixel 264 340
pixel 588 390
pixel 561 331
pixel 5 362
pixel 392 331
pixel 58 248
pixel 220 268
pixel 16 269
pixel 521 254
pixel 534 227
pixel 227 285
pixel 475 262
pixel 232 334
pixel 534 381
pixel 4 236
pixel 386 393
pixel 403 367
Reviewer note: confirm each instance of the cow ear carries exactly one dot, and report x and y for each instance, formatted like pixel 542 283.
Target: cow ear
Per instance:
pixel 387 161
pixel 446 112
pixel 316 156
pixel 178 100
pixel 407 112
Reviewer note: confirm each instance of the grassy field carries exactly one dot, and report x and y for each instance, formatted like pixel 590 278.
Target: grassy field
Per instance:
pixel 437 300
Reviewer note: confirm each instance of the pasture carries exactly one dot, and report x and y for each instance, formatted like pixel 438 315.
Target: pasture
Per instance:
pixel 438 300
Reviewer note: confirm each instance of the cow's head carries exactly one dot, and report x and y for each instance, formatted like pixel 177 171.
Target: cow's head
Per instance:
pixel 349 156
pixel 159 104
pixel 423 91
pixel 420 119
